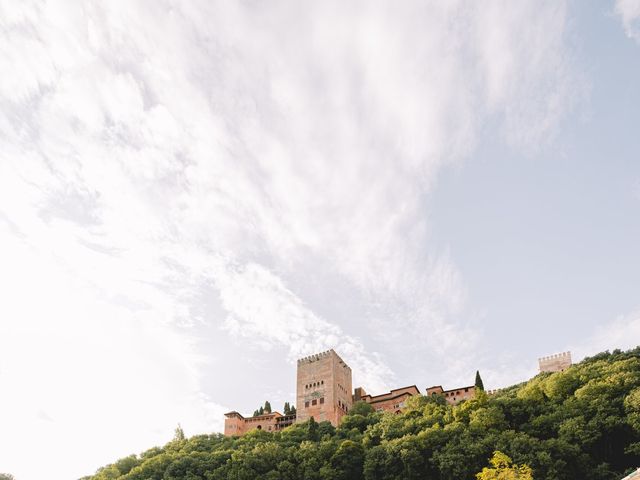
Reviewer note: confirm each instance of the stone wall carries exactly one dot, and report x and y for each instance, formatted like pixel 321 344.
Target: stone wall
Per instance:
pixel 555 363
pixel 393 401
pixel 236 425
pixel 455 395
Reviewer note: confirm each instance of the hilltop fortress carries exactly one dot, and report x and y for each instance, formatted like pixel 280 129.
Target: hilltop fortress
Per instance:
pixel 555 363
pixel 324 391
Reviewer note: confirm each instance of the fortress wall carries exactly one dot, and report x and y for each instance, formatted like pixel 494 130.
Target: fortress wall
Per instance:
pixel 555 363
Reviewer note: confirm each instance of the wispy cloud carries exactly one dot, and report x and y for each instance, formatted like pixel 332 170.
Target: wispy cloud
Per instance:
pixel 629 11
pixel 151 152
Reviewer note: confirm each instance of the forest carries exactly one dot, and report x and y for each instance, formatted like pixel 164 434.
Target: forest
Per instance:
pixel 583 423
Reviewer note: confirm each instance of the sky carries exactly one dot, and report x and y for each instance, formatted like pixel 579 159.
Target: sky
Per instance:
pixel 195 194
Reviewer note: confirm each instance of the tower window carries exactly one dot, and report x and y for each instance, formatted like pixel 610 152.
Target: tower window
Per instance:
pixel 314 402
pixel 321 400
pixel 306 404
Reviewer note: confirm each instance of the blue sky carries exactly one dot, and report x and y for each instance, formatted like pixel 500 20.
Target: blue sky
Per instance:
pixel 546 240
pixel 194 195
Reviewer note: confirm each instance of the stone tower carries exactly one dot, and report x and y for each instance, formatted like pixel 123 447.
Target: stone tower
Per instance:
pixel 555 363
pixel 324 389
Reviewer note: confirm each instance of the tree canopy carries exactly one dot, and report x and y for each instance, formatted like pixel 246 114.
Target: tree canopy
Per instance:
pixel 266 409
pixel 178 433
pixel 502 468
pixel 581 423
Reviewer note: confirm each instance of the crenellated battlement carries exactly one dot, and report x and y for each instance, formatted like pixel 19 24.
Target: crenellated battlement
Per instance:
pixel 555 356
pixel 316 356
pixel 558 362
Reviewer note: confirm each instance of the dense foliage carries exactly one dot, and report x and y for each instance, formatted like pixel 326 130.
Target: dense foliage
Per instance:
pixel 582 423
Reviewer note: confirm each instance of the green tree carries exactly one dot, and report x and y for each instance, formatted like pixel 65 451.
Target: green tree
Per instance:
pixel 361 408
pixel 479 385
pixel 261 411
pixel 312 430
pixel 502 468
pixel 287 408
pixel 267 407
pixel 6 476
pixel 178 433
pixel 293 410
pixel 348 460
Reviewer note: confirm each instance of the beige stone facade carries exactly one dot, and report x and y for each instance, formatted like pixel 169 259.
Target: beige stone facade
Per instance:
pixel 555 363
pixel 455 395
pixel 235 424
pixel 393 401
pixel 323 388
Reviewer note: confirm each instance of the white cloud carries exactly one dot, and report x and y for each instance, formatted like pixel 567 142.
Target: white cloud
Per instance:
pixel 85 373
pixel 263 309
pixel 622 332
pixel 629 10
pixel 146 152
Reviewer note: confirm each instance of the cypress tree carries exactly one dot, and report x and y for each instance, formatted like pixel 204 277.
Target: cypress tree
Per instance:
pixel 479 384
pixel 267 407
pixel 261 411
pixel 312 430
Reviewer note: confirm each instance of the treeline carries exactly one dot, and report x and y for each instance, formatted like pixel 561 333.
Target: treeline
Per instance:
pixel 583 423
pixel 287 410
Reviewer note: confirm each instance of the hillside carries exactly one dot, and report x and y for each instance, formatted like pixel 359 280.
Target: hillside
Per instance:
pixel 583 423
